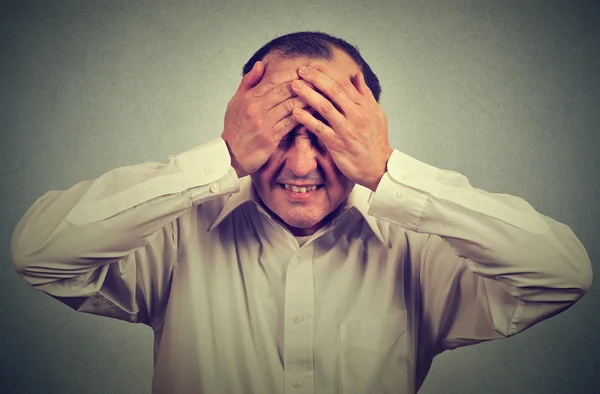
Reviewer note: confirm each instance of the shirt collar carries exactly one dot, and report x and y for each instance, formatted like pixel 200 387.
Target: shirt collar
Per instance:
pixel 358 201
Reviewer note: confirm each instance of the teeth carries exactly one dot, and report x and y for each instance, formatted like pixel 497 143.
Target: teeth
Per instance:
pixel 300 189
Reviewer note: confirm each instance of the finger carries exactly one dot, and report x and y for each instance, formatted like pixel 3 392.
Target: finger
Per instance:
pixel 317 101
pixel 286 108
pixel 314 125
pixel 284 126
pixel 332 89
pixel 344 82
pixel 252 77
pixel 362 87
pixel 280 94
pixel 271 81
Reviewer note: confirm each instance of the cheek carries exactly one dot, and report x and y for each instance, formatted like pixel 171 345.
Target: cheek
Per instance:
pixel 265 175
pixel 332 173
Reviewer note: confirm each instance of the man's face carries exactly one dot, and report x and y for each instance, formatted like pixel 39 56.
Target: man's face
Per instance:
pixel 301 160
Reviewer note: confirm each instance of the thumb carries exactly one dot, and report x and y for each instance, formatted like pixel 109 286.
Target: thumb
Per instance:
pixel 362 86
pixel 252 77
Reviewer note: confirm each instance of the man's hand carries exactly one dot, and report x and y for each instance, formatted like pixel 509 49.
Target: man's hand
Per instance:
pixel 258 116
pixel 357 134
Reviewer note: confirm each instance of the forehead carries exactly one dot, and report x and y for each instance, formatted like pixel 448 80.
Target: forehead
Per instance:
pixel 341 65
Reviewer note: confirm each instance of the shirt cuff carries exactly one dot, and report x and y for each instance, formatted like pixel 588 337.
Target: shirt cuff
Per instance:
pixel 404 190
pixel 196 169
pixel 211 164
pixel 205 163
pixel 228 184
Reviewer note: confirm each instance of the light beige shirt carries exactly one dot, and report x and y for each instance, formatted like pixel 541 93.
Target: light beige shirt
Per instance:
pixel 424 264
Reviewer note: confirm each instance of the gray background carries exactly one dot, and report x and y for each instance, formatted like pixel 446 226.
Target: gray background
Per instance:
pixel 505 92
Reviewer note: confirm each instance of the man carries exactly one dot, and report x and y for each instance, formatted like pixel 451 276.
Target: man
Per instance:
pixel 299 252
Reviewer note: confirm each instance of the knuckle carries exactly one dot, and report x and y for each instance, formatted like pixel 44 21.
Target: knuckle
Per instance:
pixel 336 88
pixel 325 106
pixel 250 111
pixel 289 105
pixel 282 124
pixel 344 83
pixel 319 126
pixel 270 82
pixel 287 121
pixel 244 97
pixel 254 124
pixel 283 90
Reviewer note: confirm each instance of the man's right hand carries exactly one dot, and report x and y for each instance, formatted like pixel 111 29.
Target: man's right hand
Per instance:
pixel 258 116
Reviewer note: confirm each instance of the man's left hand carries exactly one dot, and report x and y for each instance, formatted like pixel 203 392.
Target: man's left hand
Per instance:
pixel 356 135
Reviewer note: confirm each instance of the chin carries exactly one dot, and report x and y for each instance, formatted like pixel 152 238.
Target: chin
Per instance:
pixel 302 223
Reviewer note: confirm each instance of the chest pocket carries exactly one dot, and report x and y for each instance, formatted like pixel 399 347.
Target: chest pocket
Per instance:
pixel 374 355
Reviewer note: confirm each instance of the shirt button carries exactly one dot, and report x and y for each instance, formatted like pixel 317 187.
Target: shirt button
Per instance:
pixel 298 319
pixel 298 383
pixel 298 255
pixel 400 194
pixel 214 188
pixel 209 170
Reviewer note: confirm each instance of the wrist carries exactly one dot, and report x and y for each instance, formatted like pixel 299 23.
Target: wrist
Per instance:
pixel 375 180
pixel 375 183
pixel 239 172
pixel 236 166
pixel 234 163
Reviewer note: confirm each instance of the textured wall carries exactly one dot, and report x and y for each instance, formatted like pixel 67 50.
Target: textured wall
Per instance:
pixel 505 92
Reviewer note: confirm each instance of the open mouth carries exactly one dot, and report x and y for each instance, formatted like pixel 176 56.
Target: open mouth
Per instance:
pixel 300 189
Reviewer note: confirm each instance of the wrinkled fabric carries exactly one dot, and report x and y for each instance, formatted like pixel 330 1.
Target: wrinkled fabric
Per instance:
pixel 424 264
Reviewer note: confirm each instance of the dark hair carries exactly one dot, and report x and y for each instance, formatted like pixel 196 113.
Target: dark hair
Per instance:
pixel 315 45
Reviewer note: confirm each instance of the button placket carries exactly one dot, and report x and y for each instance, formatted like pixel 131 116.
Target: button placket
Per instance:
pixel 298 319
pixel 298 383
pixel 298 326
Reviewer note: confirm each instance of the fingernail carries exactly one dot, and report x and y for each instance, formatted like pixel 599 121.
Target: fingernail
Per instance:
pixel 313 65
pixel 304 70
pixel 297 84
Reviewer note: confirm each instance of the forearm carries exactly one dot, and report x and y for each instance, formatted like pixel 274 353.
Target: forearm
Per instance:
pixel 499 236
pixel 66 234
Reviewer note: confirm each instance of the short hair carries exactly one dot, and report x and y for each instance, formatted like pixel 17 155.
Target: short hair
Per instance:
pixel 315 45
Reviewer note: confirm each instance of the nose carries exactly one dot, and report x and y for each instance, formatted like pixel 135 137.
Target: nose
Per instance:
pixel 302 156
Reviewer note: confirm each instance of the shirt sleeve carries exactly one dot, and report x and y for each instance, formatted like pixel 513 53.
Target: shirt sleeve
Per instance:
pixel 490 265
pixel 108 246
